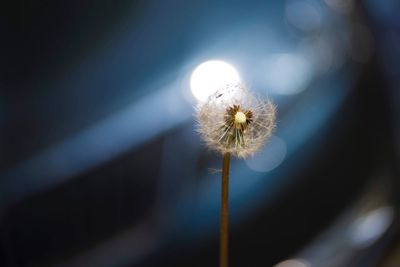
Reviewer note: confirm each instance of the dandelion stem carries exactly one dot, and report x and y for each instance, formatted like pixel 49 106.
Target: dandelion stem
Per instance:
pixel 223 261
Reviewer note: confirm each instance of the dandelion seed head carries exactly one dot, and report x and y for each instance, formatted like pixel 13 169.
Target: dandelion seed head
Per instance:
pixel 236 121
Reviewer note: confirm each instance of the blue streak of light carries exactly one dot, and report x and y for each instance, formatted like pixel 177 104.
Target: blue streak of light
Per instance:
pixel 140 122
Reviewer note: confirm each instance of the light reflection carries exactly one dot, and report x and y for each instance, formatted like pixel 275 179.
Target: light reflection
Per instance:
pixel 342 6
pixel 270 157
pixel 303 15
pixel 328 52
pixel 320 52
pixel 164 109
pixel 368 228
pixel 287 73
pixel 293 263
pixel 209 76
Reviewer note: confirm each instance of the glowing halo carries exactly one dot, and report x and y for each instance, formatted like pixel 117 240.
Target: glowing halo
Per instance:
pixel 209 76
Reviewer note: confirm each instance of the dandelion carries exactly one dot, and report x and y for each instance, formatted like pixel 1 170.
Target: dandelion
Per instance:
pixel 234 122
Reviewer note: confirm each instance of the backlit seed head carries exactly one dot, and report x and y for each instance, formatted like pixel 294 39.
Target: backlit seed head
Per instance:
pixel 234 120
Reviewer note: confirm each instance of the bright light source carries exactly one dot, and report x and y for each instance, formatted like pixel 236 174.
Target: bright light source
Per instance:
pixel 209 76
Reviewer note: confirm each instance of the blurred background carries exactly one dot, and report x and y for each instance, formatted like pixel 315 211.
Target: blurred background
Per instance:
pixel 100 164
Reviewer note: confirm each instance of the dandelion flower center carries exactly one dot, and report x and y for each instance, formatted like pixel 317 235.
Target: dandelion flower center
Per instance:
pixel 237 119
pixel 240 117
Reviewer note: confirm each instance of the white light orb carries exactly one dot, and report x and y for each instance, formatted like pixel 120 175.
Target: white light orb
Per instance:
pixel 209 76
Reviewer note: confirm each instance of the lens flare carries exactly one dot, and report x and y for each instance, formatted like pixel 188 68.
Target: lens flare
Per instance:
pixel 210 76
